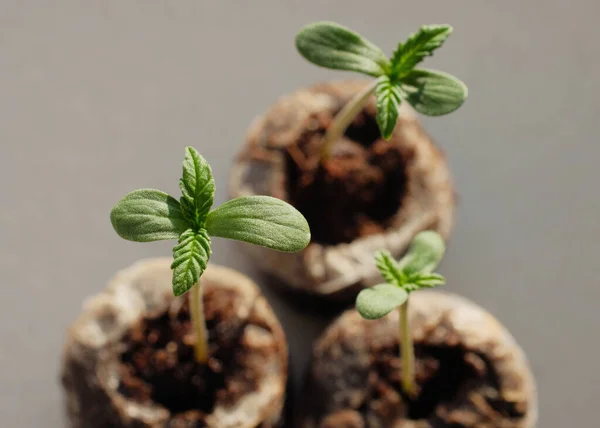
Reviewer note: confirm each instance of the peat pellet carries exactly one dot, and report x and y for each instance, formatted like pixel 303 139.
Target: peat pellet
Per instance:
pixel 372 194
pixel 470 372
pixel 128 359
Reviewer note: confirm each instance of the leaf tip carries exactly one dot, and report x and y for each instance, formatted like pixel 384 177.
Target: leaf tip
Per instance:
pixel 386 130
pixel 305 33
pixel 305 228
pixel 178 291
pixel 364 308
pixel 382 253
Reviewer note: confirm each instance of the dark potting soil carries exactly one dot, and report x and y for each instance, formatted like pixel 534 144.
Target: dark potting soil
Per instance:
pixel 444 375
pixel 450 379
pixel 158 364
pixel 354 193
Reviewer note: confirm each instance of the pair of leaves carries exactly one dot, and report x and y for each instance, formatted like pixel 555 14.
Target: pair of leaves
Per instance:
pixel 413 272
pixel 430 92
pixel 150 215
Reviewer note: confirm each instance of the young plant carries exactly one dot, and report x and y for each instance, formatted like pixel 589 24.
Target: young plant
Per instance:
pixel 413 272
pixel 430 92
pixel 150 215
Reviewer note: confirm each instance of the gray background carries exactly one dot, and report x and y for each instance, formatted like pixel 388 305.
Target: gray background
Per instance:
pixel 99 98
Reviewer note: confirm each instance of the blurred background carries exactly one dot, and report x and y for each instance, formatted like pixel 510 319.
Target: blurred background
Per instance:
pixel 99 98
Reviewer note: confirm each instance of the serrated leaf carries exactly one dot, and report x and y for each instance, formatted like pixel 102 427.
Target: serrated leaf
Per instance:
pixel 428 280
pixel 423 256
pixel 331 45
pixel 389 268
pixel 147 215
pixel 260 220
pixel 378 301
pixel 433 93
pixel 418 46
pixel 190 257
pixel 197 186
pixel 388 103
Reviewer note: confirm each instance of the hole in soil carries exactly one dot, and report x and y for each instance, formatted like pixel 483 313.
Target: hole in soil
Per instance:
pixel 452 373
pixel 364 130
pixel 445 374
pixel 357 191
pixel 159 364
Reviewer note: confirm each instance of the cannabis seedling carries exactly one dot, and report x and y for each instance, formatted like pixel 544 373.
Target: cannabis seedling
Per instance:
pixel 150 215
pixel 413 272
pixel 430 92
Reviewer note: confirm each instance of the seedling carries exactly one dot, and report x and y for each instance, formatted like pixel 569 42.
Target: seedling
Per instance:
pixel 413 272
pixel 430 92
pixel 150 215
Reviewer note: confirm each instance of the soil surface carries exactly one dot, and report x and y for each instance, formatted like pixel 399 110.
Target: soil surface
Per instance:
pixel 355 192
pixel 158 364
pixel 445 376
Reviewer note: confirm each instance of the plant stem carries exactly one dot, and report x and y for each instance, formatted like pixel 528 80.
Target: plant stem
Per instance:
pixel 344 118
pixel 199 324
pixel 407 352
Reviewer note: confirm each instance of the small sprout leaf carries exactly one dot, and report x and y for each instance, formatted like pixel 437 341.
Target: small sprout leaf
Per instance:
pixel 433 93
pixel 413 272
pixel 388 103
pixel 331 45
pixel 260 220
pixel 380 300
pixel 423 256
pixel 389 268
pixel 428 280
pixel 418 46
pixel 197 186
pixel 190 257
pixel 147 215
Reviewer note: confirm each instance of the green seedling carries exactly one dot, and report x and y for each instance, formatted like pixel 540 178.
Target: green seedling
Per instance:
pixel 150 215
pixel 413 272
pixel 430 92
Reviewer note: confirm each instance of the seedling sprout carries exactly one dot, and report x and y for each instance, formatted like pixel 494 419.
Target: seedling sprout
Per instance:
pixel 150 215
pixel 413 272
pixel 430 92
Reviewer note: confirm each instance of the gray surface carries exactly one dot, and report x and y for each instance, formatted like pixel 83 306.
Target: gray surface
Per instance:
pixel 99 98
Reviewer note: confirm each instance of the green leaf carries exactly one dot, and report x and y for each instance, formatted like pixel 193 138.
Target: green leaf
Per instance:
pixel 428 280
pixel 190 257
pixel 380 300
pixel 433 93
pixel 198 187
pixel 388 103
pixel 331 45
pixel 389 268
pixel 423 256
pixel 148 215
pixel 260 220
pixel 418 46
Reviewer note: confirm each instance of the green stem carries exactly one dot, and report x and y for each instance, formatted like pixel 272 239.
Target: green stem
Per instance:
pixel 199 324
pixel 344 118
pixel 407 352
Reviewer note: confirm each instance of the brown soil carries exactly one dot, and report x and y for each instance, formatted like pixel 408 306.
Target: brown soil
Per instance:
pixel 158 365
pixel 445 376
pixel 354 193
